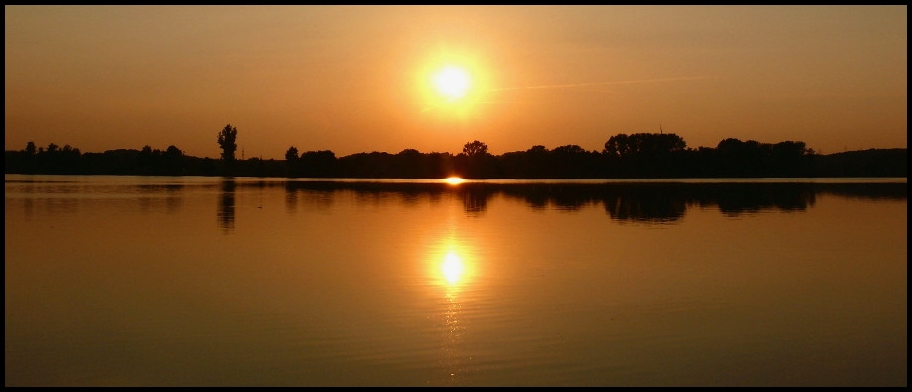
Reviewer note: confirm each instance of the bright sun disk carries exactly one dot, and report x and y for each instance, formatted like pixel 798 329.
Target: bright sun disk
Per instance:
pixel 452 82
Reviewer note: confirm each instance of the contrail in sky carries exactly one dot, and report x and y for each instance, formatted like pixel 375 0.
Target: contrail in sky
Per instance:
pixel 556 86
pixel 602 83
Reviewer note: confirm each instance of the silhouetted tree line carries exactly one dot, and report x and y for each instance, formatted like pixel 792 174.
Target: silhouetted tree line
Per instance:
pixel 641 155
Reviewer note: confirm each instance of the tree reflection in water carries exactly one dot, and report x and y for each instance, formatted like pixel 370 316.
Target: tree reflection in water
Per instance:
pixel 664 202
pixel 226 205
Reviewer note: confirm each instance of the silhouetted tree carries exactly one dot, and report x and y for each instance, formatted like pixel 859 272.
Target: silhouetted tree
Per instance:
pixel 291 154
pixel 410 163
pixel 475 148
pixel 789 158
pixel 622 145
pixel 573 161
pixel 617 146
pixel 537 149
pixel 172 161
pixel 568 150
pixel 67 149
pixel 145 161
pixel 320 164
pixel 476 162
pixel 173 151
pixel 292 162
pixel 226 140
pixel 31 149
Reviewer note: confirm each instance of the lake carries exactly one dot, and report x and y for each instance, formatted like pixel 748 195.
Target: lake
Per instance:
pixel 200 281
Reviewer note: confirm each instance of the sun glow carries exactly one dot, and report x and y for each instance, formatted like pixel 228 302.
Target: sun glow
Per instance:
pixel 454 180
pixel 452 82
pixel 451 265
pixel 452 85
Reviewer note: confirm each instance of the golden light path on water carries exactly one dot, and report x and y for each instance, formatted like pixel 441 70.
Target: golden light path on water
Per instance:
pixel 452 276
pixel 452 268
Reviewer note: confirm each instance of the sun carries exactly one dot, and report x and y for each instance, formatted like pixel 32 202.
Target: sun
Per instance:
pixel 452 82
pixel 452 85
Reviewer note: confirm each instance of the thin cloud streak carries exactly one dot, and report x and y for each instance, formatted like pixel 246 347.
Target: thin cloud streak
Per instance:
pixel 557 86
pixel 603 83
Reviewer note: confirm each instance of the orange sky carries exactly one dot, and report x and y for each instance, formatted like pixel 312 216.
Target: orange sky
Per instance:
pixel 358 79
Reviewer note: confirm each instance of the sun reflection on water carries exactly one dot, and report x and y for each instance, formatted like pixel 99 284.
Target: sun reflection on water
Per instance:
pixel 451 265
pixel 452 270
pixel 454 180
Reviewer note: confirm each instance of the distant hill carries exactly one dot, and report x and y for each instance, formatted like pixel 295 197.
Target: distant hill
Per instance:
pixel 890 162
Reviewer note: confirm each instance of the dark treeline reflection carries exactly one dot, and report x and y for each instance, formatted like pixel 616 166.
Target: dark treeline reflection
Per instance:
pixel 51 197
pixel 172 199
pixel 624 201
pixel 644 201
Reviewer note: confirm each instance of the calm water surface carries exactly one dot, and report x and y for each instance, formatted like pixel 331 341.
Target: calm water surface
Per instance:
pixel 239 282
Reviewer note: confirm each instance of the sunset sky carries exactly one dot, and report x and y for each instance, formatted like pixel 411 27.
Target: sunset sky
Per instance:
pixel 362 78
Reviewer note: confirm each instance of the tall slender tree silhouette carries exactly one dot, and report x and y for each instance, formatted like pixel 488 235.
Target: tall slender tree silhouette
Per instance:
pixel 227 142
